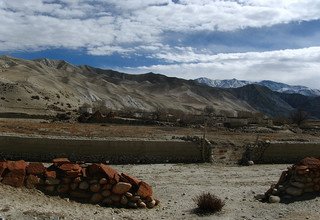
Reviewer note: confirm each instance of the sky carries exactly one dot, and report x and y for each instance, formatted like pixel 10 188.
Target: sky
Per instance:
pixel 220 39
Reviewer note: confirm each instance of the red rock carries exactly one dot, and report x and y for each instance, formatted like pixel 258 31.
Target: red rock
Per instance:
pixel 72 170
pixel 144 190
pixel 69 166
pixel 17 173
pixel 121 188
pixel 130 179
pixel 73 173
pixel 35 168
pixel 109 172
pixel 32 181
pixel 310 162
pixel 15 179
pixel 51 174
pixel 60 161
pixel 3 167
pixel 17 166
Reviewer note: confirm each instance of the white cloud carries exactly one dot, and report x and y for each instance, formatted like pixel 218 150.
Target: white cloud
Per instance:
pixel 118 26
pixel 104 27
pixel 299 66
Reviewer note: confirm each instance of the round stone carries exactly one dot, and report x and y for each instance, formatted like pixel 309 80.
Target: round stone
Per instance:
pixel 274 199
pixel 121 188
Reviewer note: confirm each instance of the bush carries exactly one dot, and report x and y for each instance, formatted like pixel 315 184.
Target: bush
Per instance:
pixel 208 203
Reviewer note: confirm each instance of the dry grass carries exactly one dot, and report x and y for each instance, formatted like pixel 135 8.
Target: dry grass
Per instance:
pixel 208 203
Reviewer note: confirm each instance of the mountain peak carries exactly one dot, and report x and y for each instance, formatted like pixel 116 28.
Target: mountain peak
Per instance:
pixel 274 86
pixel 57 64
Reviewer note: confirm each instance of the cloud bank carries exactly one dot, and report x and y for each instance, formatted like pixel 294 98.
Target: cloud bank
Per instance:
pixel 103 27
pixel 147 29
pixel 299 66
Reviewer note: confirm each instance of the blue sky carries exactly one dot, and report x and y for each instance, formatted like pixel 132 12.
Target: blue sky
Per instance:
pixel 244 39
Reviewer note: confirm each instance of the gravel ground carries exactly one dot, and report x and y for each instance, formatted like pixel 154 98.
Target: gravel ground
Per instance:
pixel 175 185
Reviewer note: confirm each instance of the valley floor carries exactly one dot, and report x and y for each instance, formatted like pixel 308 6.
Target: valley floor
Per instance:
pixel 174 184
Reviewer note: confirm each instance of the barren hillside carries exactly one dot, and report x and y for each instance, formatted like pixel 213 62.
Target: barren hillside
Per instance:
pixel 44 86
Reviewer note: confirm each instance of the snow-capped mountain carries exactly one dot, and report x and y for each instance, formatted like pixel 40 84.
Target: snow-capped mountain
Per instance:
pixel 285 88
pixel 274 86
pixel 226 83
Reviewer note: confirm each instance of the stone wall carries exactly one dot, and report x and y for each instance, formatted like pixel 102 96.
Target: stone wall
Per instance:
pixel 281 152
pixel 119 151
pixel 89 183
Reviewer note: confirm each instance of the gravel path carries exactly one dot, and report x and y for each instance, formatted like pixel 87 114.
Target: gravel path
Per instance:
pixel 175 185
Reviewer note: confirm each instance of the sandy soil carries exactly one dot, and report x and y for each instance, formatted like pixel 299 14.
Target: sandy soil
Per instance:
pixel 175 185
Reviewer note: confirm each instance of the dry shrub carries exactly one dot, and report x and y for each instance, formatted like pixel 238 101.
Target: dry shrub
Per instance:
pixel 208 203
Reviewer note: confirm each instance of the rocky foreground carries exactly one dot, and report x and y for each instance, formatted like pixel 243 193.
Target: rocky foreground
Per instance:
pixel 94 183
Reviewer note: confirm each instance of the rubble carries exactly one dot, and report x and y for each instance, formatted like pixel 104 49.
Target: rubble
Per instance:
pixel 94 183
pixel 299 180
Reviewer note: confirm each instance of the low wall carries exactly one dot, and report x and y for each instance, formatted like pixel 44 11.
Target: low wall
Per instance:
pixel 100 150
pixel 284 152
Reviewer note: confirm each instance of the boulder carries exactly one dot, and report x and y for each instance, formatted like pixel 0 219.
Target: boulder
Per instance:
pixel 121 188
pixel 17 166
pixel 130 179
pixel 110 172
pixel 96 198
pixel 14 179
pixel 32 181
pixel 293 191
pixel 144 190
pixel 35 168
pixel 50 174
pixel 16 175
pixel 274 199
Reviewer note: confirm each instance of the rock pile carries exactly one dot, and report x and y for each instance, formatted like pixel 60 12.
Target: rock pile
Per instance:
pixel 94 183
pixel 298 180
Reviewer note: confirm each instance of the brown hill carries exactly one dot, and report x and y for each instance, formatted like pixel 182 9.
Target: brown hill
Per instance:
pixel 46 86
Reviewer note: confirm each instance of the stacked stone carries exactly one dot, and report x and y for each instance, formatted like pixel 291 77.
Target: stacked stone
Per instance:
pixel 94 183
pixel 300 179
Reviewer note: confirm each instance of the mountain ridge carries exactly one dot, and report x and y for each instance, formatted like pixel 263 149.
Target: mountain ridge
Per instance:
pixel 274 86
pixel 45 86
